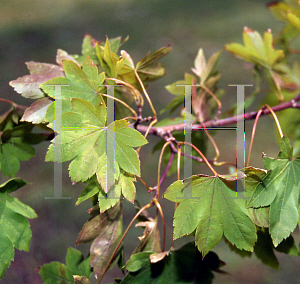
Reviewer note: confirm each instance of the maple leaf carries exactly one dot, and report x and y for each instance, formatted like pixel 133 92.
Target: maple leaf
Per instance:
pixel 288 12
pixel 15 229
pixel 63 55
pixel 256 49
pixel 56 272
pixel 29 85
pixel 149 69
pixel 212 212
pixel 123 67
pixel 79 82
pixel 204 69
pixel 15 146
pixel 105 230
pixel 280 190
pixel 109 61
pixel 107 200
pixel 85 138
pixel 37 111
pixel 259 216
pixel 177 267
pixel 209 78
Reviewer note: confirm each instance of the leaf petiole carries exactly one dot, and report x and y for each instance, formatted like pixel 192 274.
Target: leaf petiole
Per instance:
pixel 149 127
pixel 163 220
pixel 123 103
pixel 8 101
pixel 144 183
pixel 134 90
pixel 253 134
pixel 254 128
pixel 145 92
pixel 215 98
pixel 159 166
pixel 201 154
pixel 276 120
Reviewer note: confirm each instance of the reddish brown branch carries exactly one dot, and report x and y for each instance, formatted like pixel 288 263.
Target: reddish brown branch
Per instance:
pixel 164 130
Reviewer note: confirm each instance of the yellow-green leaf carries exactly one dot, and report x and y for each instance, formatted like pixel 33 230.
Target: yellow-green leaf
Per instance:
pixel 256 49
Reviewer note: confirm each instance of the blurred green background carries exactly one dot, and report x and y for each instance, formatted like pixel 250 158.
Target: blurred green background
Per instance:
pixel 33 31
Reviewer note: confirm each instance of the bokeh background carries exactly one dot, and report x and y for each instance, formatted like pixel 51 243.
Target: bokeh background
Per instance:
pixel 33 31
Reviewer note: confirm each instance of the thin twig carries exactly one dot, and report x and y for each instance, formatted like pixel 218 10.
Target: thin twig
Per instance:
pixel 175 150
pixel 254 128
pixel 214 144
pixel 294 51
pixel 278 87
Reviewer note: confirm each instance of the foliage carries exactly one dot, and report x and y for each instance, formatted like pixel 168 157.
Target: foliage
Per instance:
pixel 212 212
pixel 278 190
pixel 15 228
pixel 103 151
pixel 76 265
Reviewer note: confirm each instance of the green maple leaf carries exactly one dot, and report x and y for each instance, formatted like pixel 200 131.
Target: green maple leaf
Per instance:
pixel 88 49
pixel 124 184
pixel 184 265
pixel 107 200
pixel 259 216
pixel 15 146
pixel 208 76
pixel 82 83
pixel 280 190
pixel 15 230
pixel 85 138
pixel 57 273
pixel 212 212
pixel 149 69
pixel 109 61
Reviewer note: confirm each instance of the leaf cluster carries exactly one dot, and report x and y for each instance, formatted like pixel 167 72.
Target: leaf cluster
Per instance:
pixel 103 150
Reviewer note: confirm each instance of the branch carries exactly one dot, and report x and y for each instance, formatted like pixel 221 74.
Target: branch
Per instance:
pixel 164 130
